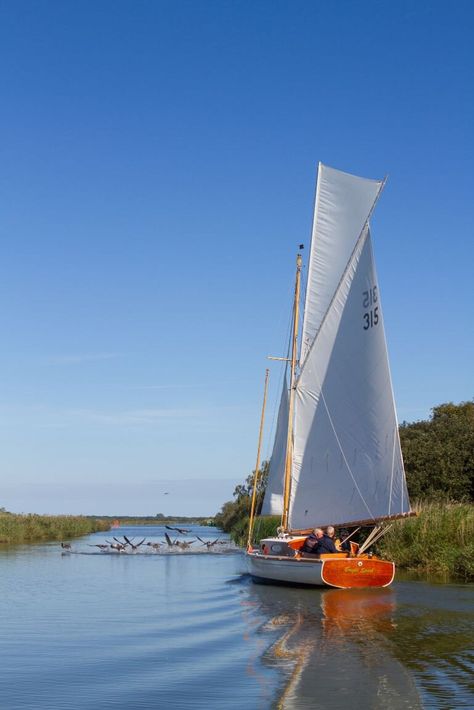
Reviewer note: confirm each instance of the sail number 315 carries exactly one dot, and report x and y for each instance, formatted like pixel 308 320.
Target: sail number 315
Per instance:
pixel 371 316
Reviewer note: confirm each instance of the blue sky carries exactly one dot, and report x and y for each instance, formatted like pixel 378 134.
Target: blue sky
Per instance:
pixel 157 168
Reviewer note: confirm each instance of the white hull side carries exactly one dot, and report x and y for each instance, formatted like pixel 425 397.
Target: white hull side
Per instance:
pixel 286 569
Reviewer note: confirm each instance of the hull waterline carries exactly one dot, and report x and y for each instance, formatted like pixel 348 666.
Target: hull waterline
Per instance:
pixel 340 572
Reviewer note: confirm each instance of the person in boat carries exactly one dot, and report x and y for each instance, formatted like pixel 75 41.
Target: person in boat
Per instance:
pixel 343 545
pixel 312 541
pixel 326 544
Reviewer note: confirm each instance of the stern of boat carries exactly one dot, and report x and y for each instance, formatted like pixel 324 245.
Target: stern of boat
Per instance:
pixel 357 572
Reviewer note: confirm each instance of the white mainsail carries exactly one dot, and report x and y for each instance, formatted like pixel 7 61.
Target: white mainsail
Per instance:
pixel 342 207
pixel 347 461
pixel 273 500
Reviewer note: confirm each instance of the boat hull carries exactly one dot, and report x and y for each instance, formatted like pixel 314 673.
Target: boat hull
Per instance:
pixel 340 572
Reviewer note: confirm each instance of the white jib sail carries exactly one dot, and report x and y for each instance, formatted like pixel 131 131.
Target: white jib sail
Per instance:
pixel 273 500
pixel 347 463
pixel 343 205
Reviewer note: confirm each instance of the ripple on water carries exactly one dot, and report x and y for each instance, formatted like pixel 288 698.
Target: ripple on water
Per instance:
pixel 100 631
pixel 92 632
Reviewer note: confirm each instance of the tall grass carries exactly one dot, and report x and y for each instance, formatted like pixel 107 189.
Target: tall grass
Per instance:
pixel 439 541
pixel 34 528
pixel 263 527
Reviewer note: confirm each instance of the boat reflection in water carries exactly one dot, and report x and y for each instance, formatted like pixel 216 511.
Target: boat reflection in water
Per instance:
pixel 362 611
pixel 335 648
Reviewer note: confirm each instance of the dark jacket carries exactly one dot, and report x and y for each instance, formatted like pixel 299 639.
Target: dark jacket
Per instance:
pixel 310 544
pixel 325 545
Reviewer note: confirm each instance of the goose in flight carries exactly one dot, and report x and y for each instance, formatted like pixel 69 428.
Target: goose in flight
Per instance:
pixel 182 531
pixel 132 545
pixel 208 543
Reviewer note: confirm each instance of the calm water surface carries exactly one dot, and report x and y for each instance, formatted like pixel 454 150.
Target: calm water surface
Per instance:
pixel 188 629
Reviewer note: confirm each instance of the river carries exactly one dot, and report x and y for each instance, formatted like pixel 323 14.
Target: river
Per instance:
pixel 186 629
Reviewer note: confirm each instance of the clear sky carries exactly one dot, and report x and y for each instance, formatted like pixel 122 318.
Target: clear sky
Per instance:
pixel 157 168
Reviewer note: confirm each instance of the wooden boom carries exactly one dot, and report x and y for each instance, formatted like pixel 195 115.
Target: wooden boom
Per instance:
pixel 361 523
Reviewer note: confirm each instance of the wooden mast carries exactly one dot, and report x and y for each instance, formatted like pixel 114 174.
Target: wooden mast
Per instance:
pixel 289 440
pixel 257 465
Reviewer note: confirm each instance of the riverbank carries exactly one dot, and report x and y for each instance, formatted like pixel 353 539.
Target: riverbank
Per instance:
pixel 19 528
pixel 438 541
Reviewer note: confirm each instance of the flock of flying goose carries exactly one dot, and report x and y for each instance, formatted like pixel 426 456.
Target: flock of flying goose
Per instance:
pixel 127 545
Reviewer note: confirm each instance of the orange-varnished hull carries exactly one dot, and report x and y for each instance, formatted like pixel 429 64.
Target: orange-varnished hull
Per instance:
pixel 336 570
pixel 357 572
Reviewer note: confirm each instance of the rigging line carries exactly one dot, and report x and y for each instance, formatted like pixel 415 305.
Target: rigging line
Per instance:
pixel 397 427
pixel 369 539
pixel 351 264
pixel 360 239
pixel 376 534
pixel 343 454
pixel 391 475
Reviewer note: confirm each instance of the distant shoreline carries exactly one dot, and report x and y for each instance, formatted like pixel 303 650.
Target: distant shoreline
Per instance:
pixel 22 528
pixel 25 528
pixel 157 520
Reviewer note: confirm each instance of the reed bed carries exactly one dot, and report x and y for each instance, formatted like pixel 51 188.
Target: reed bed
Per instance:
pixel 264 527
pixel 31 527
pixel 439 541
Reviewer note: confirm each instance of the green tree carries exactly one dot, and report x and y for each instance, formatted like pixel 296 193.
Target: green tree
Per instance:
pixel 236 511
pixel 439 453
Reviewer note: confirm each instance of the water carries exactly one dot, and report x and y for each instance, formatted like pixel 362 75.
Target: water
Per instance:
pixel 188 629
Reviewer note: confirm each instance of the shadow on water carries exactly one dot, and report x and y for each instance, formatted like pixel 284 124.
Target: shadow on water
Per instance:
pixel 403 647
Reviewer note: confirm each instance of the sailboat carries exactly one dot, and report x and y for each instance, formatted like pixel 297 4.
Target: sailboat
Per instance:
pixel 336 457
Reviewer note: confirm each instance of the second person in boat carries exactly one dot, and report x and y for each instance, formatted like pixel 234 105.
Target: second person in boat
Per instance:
pixel 320 542
pixel 326 544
